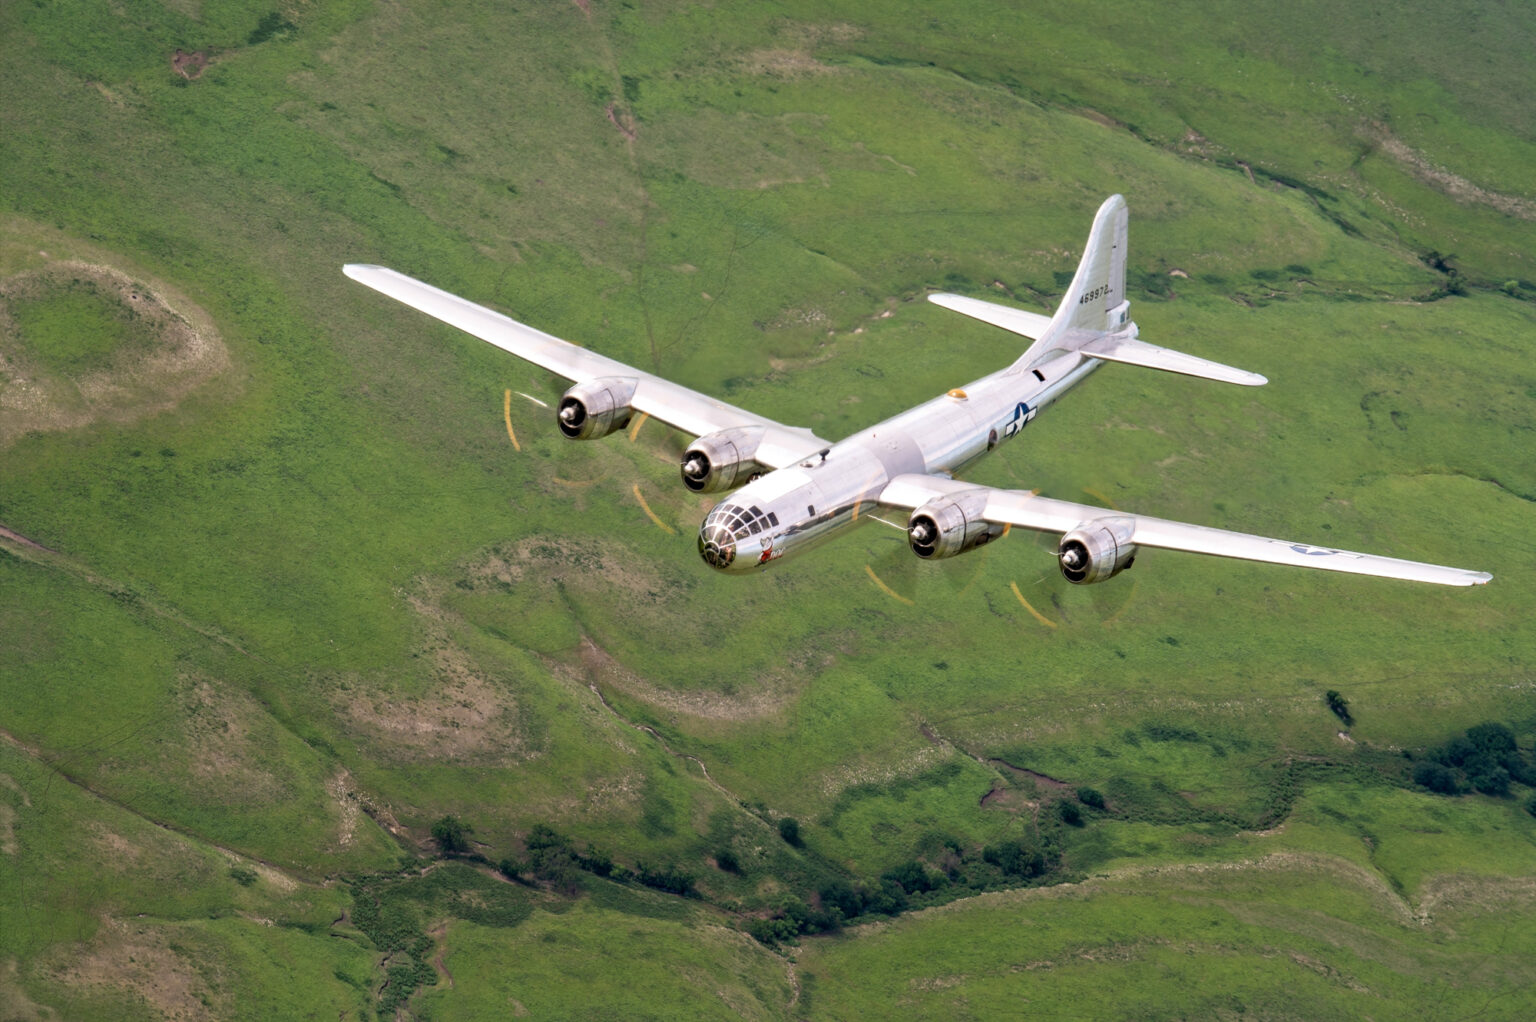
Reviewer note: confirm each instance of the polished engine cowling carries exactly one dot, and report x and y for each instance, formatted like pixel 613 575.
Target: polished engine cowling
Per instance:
pixel 595 408
pixel 950 525
pixel 1097 550
pixel 719 461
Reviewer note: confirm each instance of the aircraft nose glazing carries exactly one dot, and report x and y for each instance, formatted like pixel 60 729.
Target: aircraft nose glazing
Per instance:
pixel 716 545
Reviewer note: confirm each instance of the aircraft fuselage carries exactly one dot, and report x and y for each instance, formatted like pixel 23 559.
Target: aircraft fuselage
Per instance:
pixel 796 507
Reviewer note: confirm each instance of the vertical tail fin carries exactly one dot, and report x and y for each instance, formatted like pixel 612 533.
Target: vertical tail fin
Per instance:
pixel 1094 317
pixel 1098 287
pixel 1095 303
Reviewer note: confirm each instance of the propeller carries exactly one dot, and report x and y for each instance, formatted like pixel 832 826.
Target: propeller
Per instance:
pixel 900 574
pixel 1043 591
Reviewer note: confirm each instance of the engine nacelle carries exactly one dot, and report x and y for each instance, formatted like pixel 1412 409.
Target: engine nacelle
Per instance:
pixel 719 461
pixel 595 408
pixel 950 525
pixel 1097 550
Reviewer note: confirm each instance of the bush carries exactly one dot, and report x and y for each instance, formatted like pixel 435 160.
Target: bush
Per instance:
pixel 449 834
pixel 1090 797
pixel 912 877
pixel 1488 778
pixel 772 931
pixel 1069 813
pixel 542 836
pixel 1491 737
pixel 888 899
pixel 789 830
pixel 841 896
pixel 1456 751
pixel 1486 759
pixel 1339 706
pixel 1015 860
pixel 1436 778
pixel 726 860
pixel 665 878
pixel 595 862
pixel 1519 769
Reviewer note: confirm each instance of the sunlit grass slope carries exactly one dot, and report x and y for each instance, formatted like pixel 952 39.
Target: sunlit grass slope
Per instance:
pixel 277 597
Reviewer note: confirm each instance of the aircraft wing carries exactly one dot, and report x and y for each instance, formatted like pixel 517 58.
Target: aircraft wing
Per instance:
pixel 676 405
pixel 1043 514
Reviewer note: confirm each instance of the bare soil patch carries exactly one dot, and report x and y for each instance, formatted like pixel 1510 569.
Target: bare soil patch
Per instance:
pixel 8 844
pixel 623 121
pixel 218 734
pixel 139 960
pixel 185 352
pixel 463 719
pixel 1024 773
pixel 1441 179
pixel 339 787
pixel 18 1006
pixel 189 65
pixel 463 716
pixel 602 669
pixel 16 537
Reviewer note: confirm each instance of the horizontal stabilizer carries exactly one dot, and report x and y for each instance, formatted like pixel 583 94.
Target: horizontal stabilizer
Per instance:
pixel 1026 324
pixel 1139 353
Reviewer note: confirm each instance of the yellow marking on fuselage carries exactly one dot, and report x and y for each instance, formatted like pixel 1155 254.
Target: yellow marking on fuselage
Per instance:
pixel 506 411
pixel 647 509
pixel 887 590
pixel 634 430
pixel 1037 615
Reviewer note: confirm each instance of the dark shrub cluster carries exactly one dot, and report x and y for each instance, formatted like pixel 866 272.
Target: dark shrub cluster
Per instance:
pixel 953 872
pixel 1340 707
pixel 554 861
pixel 1485 759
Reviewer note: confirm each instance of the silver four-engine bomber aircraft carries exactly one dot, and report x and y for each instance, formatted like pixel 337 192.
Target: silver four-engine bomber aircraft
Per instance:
pixel 797 489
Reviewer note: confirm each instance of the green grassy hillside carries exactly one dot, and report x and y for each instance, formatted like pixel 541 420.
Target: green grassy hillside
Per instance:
pixel 289 574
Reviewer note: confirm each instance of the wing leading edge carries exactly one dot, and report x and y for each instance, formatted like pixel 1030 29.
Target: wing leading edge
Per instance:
pixel 676 405
pixel 1044 514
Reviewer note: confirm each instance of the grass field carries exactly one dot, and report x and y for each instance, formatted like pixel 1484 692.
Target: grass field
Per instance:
pixel 278 592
